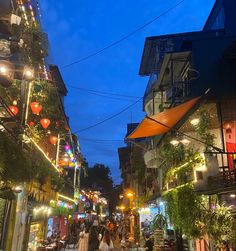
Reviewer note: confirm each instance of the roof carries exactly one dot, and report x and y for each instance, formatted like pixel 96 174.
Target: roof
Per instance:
pixel 211 18
pixel 156 47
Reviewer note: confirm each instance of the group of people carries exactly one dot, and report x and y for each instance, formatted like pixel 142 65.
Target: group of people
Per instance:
pixel 95 237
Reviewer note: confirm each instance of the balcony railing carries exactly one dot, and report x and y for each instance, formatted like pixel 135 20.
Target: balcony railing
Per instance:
pixel 177 92
pixel 220 174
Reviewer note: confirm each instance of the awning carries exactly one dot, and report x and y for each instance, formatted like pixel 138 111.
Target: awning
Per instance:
pixel 167 120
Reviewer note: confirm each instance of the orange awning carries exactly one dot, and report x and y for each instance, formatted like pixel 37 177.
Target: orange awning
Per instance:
pixel 168 118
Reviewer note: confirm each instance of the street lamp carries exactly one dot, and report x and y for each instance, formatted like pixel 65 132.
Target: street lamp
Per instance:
pixel 130 194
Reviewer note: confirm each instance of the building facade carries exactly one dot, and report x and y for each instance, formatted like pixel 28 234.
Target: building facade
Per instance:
pixel 190 103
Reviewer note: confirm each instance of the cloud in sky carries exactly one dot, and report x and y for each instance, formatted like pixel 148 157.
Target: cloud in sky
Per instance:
pixel 78 28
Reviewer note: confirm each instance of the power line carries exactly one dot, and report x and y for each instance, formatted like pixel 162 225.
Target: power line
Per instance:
pixel 123 38
pixel 103 92
pixel 109 118
pixel 101 95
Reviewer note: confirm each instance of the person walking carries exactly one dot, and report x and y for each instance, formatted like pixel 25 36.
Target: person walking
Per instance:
pixel 93 240
pixel 82 244
pixel 106 243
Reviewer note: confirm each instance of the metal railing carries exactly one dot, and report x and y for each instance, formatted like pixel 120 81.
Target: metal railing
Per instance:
pixel 223 169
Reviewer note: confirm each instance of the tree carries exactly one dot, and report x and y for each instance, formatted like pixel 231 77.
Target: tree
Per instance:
pixel 98 178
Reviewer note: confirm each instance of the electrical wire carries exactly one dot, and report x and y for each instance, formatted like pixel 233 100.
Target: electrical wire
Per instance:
pixel 104 96
pixel 107 119
pixel 123 38
pixel 103 92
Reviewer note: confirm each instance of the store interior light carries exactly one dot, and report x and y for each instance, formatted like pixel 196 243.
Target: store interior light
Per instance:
pixel 185 141
pixel 195 121
pixel 174 142
pixel 3 69
pixel 17 189
pixel 232 195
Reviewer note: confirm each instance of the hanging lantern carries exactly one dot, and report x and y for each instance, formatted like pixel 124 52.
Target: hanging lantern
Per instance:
pixel 45 123
pixel 53 140
pixel 31 123
pixel 14 109
pixel 36 108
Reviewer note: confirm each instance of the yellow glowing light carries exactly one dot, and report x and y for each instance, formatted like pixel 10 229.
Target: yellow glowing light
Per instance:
pixel 122 207
pixel 27 103
pixel 44 154
pixel 65 197
pixel 28 73
pixel 3 69
pixel 185 141
pixel 130 194
pixel 174 142
pixel 195 121
pixel 145 210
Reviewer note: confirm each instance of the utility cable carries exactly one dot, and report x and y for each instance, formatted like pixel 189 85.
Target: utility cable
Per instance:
pixel 123 38
pixel 109 118
pixel 105 96
pixel 103 92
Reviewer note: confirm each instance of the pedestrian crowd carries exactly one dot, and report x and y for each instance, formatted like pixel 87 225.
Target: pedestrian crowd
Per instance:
pixel 96 236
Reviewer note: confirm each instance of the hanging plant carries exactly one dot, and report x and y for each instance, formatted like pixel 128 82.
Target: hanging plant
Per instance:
pixel 14 166
pixel 203 130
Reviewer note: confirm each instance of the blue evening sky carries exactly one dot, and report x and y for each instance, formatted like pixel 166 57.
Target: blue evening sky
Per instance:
pixel 77 28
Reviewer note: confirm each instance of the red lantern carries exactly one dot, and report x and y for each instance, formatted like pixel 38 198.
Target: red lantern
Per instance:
pixel 53 140
pixel 45 123
pixel 31 123
pixel 36 108
pixel 14 109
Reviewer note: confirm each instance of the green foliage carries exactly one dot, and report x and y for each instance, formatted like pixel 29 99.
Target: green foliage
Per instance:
pixel 34 47
pixel 219 223
pixel 184 172
pixel 190 213
pixel 173 155
pixel 57 181
pixel 99 178
pixel 203 129
pixel 14 165
pixel 159 222
pixel 11 93
pixel 46 94
pixel 185 210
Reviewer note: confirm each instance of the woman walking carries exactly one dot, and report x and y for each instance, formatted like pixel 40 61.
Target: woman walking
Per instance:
pixel 93 240
pixel 82 244
pixel 106 243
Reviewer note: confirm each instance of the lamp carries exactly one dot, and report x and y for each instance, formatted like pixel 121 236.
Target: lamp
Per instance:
pixel 28 73
pixel 174 142
pixel 195 121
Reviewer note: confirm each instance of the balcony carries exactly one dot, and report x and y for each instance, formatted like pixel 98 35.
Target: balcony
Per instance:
pixel 219 175
pixel 176 93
